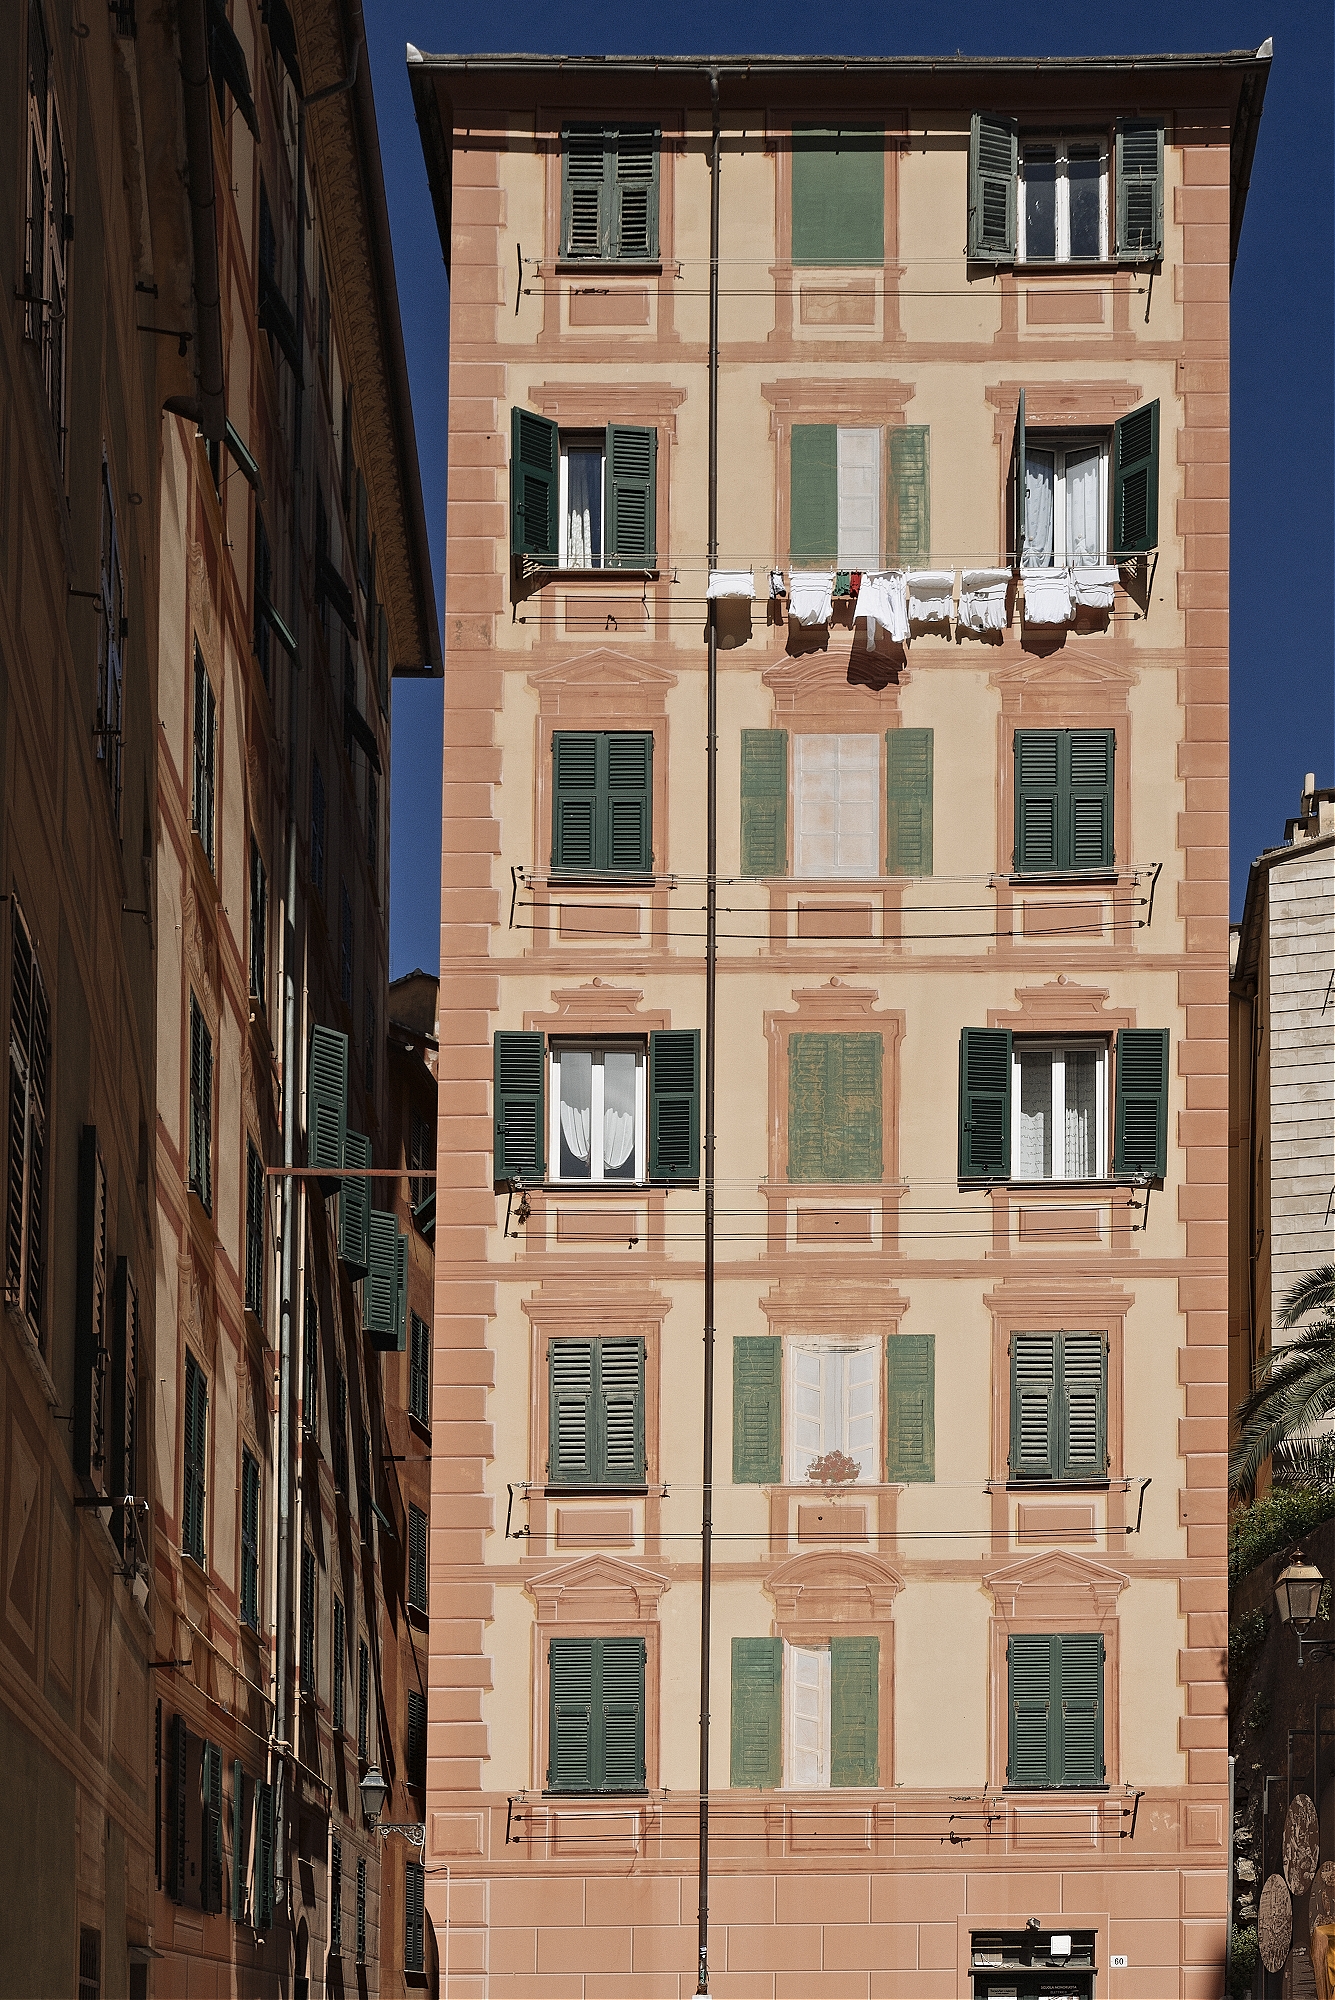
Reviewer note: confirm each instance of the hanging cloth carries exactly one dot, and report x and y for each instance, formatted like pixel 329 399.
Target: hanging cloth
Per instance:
pixel 1092 585
pixel 931 596
pixel 809 596
pixel 983 599
pixel 731 583
pixel 777 587
pixel 1047 596
pixel 883 601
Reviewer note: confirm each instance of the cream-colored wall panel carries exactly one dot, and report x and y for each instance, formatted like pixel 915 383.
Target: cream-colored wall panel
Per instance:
pixel 941 1669
pixel 1149 1635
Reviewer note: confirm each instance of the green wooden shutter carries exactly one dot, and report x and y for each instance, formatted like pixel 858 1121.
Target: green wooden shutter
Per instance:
pixel 176 1827
pixel 1018 449
pixel 264 1856
pixel 757 1409
pixel 381 1284
pixel 629 801
pixel 619 1718
pixel 1033 1737
pixel 1078 1696
pixel 619 1411
pixel 985 1104
pixel 1139 190
pixel 631 474
pixel 211 1788
pixel 1088 805
pixel 574 798
pixel 572 1676
pixel 834 1107
pixel 571 1430
pixel 813 534
pixel 910 1408
pixel 327 1105
pixel 91 1331
pixel 1034 1412
pixel 908 787
pixel 634 162
pixel 400 1343
pixel 1038 800
pixel 1083 1421
pixel 838 195
pixel 757 1713
pixel 993 178
pixel 535 453
pixel 909 539
pixel 354 1206
pixel 674 1104
pixel 417 1558
pixel 1140 1130
pixel 415 1751
pixel 764 802
pixel 517 1066
pixel 238 1842
pixel 414 1917
pixel 1135 456
pixel 855 1711
pixel 586 205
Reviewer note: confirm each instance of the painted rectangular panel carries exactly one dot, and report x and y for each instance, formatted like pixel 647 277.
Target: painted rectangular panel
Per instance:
pixel 813 529
pixel 807 1750
pixel 838 196
pixel 859 488
pixel 834 1107
pixel 854 1710
pixel 764 802
pixel 836 805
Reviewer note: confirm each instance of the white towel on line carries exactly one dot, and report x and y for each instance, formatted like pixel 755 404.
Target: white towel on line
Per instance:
pixel 809 596
pixel 883 602
pixel 931 595
pixel 1047 596
pixel 983 599
pixel 1092 585
pixel 731 583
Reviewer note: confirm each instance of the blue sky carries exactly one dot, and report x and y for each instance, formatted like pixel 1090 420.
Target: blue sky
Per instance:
pixel 1283 578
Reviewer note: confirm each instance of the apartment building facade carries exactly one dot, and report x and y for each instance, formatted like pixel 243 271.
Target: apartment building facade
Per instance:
pixel 968 611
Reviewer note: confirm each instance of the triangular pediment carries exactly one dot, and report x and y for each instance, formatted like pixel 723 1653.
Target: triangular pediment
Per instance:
pixel 1060 1591
pixel 1055 1568
pixel 603 667
pixel 597 1588
pixel 1067 667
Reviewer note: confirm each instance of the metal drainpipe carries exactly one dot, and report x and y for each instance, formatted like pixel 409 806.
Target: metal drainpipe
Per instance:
pixel 711 983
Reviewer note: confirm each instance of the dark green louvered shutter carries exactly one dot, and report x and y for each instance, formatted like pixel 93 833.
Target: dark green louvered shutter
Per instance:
pixel 1084 1405
pixel 1079 1693
pixel 586 204
pixel 910 494
pixel 757 1713
pixel 535 470
pixel 211 1789
pixel 813 533
pixel 632 463
pixel 620 1411
pixel 1029 1670
pixel 176 1825
pixel 574 798
pixel 417 1558
pixel 1038 800
pixel 354 1206
pixel 327 1105
pixel 908 789
pixel 264 1856
pixel 1088 805
pixel 910 1408
pixel 1135 458
pixel 757 1409
pixel 629 782
pixel 401 1295
pixel 571 1676
pixel 674 1104
pixel 238 1842
pixel 414 1917
pixel 855 1711
pixel 380 1288
pixel 619 1720
pixel 307 1619
pixel 415 1748
pixel 92 1388
pixel 1140 1126
pixel 838 195
pixel 1017 495
pixel 985 1104
pixel 1139 191
pixel 764 802
pixel 517 1065
pixel 993 177
pixel 634 185
pixel 834 1107
pixel 1033 1453
pixel 570 1422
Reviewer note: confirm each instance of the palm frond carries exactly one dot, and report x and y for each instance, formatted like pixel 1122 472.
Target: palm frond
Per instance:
pixel 1295 1395
pixel 1316 1290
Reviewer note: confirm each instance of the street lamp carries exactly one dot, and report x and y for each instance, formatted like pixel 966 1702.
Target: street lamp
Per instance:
pixel 1298 1597
pixel 374 1792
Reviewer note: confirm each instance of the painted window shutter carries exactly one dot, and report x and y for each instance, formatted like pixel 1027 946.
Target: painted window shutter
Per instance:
pixel 28 1025
pixel 620 1410
pixel 124 1451
pixel 1079 1691
pixel 176 1828
pixel 985 1104
pixel 1029 1663
pixel 1140 1126
pixel 757 1713
pixel 414 1917
pixel 338 1679
pixel 255 1231
pixel 629 756
pixel 575 774
pixel 238 1842
pixel 585 196
pixel 674 1104
pixel 264 1856
pixel 813 535
pixel 354 1206
pixel 764 802
pixel 1089 816
pixel 307 1619
pixel 855 1711
pixel 1139 190
pixel 1135 476
pixel 380 1288
pixel 757 1409
pixel 517 1065
pixel 92 1392
pixel 401 1295
pixel 834 1107
pixel 1038 800
pixel 1034 1444
pixel 535 452
pixel 419 1372
pixel 1084 1405
pixel 838 195
pixel 620 1718
pixel 908 787
pixel 250 1539
pixel 909 539
pixel 993 178
pixel 194 1442
pixel 570 1423
pixel 632 463
pixel 910 1408
pixel 335 1899
pixel 363 1696
pixel 211 1788
pixel 634 186
pixel 327 1104
pixel 415 1754
pixel 1017 490
pixel 417 1558
pixel 571 1675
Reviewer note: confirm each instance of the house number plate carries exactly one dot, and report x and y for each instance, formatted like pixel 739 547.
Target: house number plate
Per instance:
pixel 1119 1961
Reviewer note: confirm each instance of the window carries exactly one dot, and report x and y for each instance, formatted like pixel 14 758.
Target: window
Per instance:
pixel 596 1715
pixel 1063 202
pixel 1020 1965
pixel 838 195
pixel 211 1786
pixel 317 827
pixel 417 1558
pixel 422 1156
pixel 201 1108
pixel 361 1911
pixel 335 1852
pixel 322 314
pixel 834 1397
pixel 109 727
pixel 1059 1406
pixel 250 1540
pixel 582 499
pixel 1063 800
pixel 1038 1107
pixel 414 1917
pixel 419 1372
pixel 598 1113
pixel 366 1486
pixel 609 193
pixel 194 1448
pixel 310 1366
pixel 363 1697
pixel 806 1717
pixel 596 1412
pixel 240 1843
pixel 49 226
pixel 206 718
pixel 836 805
pixel 307 1619
pixel 1060 1111
pixel 595 1142
pixel 1065 501
pixel 853 494
pixel 602 800
pixel 834 1107
pixel 259 925
pixel 1047 196
pixel 338 1691
pixel 124 1456
pixel 29 1019
pixel 415 1757
pixel 264 1855
pixel 90 1963
pixel 1055 1687
pixel 254 1231
pixel 345 944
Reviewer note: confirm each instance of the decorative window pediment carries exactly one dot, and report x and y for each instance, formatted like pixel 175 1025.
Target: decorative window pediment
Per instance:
pixel 597 1591
pixel 1057 1591
pixel 834 1589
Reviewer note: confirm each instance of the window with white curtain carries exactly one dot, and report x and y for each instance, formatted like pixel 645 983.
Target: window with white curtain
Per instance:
pixel 837 805
pixel 598 1112
pixel 582 489
pixel 834 1405
pixel 1059 1111
pixel 1065 502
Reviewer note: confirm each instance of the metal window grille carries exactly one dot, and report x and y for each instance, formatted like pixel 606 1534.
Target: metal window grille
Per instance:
pixel 90 1963
pixel 361 1912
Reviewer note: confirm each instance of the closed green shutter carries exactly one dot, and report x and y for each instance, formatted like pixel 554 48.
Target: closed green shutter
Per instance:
pixel 609 193
pixel 621 1713
pixel 1135 460
pixel 674 1104
pixel 1034 1405
pixel 535 470
pixel 354 1206
pixel 620 1411
pixel 813 535
pixel 517 1066
pixel 1079 1691
pixel 910 1408
pixel 764 802
pixel 1088 806
pixel 834 1107
pixel 414 1917
pixel 327 1105
pixel 211 1789
pixel 596 1412
pixel 380 1288
pixel 985 1104
pixel 570 1424
pixel 571 1677
pixel 634 230
pixel 92 1334
pixel 1037 800
pixel 575 762
pixel 597 1715
pixel 415 1749
pixel 757 1713
pixel 1030 1748
pixel 854 1711
pixel 757 1409
pixel 176 1827
pixel 993 178
pixel 1140 1126
pixel 1056 1709
pixel 307 1619
pixel 910 494
pixel 629 781
pixel 1139 191
pixel 586 206
pixel 632 464
pixel 238 1842
pixel 1063 799
pixel 908 788
pixel 417 1558
pixel 1084 1406
pixel 602 800
pixel 838 195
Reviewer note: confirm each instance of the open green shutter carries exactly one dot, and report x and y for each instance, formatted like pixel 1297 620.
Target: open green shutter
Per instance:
pixel 571 1430
pixel 838 195
pixel 619 1411
pixel 910 1408
pixel 757 1713
pixel 1140 1134
pixel 238 1842
pixel 629 796
pixel 909 539
pixel 1079 1694
pixel 674 1104
pixel 570 1672
pixel 764 802
pixel 985 1104
pixel 327 1105
pixel 575 760
pixel 855 1711
pixel 535 452
pixel 908 791
pixel 619 1716
pixel 757 1409
pixel 634 183
pixel 264 1856
pixel 414 1917
pixel 813 533
pixel 1038 800
pixel 177 1748
pixel 400 1341
pixel 1088 804
pixel 586 204
pixel 1135 459
pixel 381 1285
pixel 1033 1736
pixel 1034 1450
pixel 1017 494
pixel 354 1206
pixel 91 1332
pixel 517 1065
pixel 1083 1420
pixel 993 178
pixel 632 462
pixel 1139 191
pixel 211 1786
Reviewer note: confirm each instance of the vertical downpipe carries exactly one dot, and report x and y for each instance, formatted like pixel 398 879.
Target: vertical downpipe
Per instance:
pixel 711 982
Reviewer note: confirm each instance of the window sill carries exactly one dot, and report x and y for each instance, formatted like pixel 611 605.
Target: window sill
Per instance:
pixel 1069 1791
pixel 572 267
pixel 1039 1485
pixel 597 878
pixel 982 1182
pixel 553 1492
pixel 1064 267
pixel 557 572
pixel 609 1189
pixel 628 1792
pixel 1065 878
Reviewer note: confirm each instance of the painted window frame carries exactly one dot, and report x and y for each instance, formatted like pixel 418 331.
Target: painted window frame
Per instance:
pixel 1062 143
pixel 1101 1046
pixel 795 1471
pixel 598 1049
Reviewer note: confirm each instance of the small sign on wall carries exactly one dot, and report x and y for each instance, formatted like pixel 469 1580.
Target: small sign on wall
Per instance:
pixel 1119 1961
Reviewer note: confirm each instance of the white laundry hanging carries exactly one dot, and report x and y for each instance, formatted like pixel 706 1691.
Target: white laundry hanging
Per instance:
pixel 1047 596
pixel 777 587
pixel 731 583
pixel 809 596
pixel 931 596
pixel 1092 585
pixel 983 599
pixel 883 602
